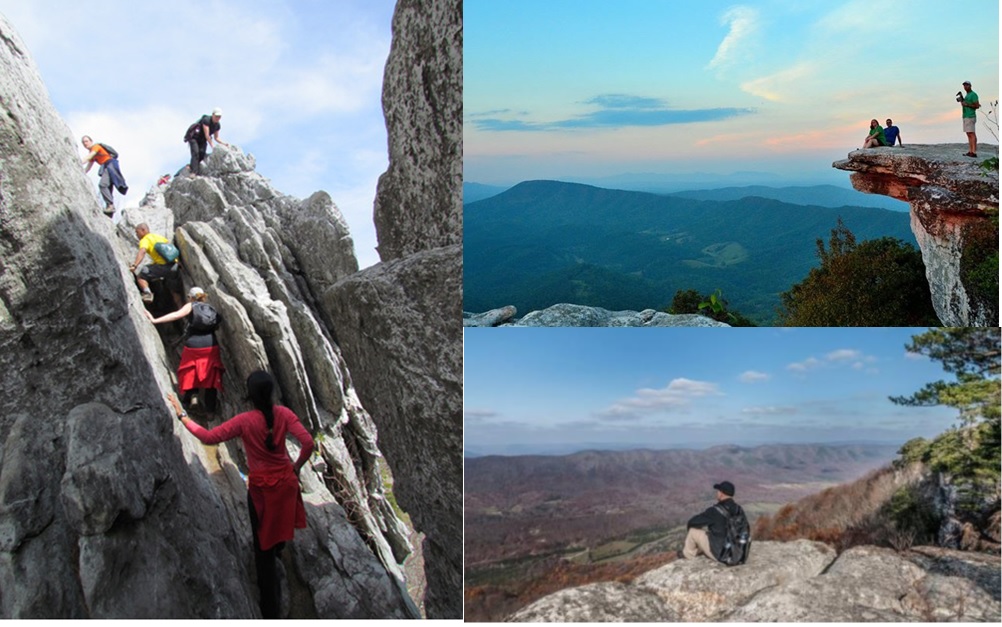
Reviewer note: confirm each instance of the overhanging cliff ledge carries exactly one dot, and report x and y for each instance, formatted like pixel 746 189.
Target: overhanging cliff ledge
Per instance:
pixel 954 215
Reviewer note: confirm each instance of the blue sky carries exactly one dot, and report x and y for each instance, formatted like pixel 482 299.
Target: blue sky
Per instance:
pixel 299 83
pixel 560 389
pixel 572 88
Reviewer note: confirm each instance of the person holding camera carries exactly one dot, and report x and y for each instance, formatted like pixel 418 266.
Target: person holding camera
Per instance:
pixel 876 136
pixel 892 134
pixel 968 105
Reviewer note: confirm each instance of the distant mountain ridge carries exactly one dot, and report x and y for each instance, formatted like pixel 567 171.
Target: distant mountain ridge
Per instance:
pixel 817 195
pixel 546 242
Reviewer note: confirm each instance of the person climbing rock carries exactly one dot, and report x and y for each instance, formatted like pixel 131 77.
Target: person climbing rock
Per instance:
pixel 110 172
pixel 161 268
pixel 201 369
pixel 274 501
pixel 199 135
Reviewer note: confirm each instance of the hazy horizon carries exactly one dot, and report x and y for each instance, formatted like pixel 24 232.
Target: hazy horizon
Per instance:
pixel 551 388
pixel 590 87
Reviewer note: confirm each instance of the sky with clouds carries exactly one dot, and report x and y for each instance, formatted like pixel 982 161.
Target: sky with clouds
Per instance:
pixel 572 88
pixel 299 82
pixel 563 389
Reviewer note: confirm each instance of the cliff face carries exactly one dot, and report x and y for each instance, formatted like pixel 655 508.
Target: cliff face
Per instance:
pixel 952 201
pixel 793 582
pixel 104 498
pixel 398 322
pixel 568 315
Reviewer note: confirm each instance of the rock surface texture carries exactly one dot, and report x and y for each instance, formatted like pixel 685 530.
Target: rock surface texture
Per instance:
pixel 398 322
pixel 108 506
pixel 952 200
pixel 567 315
pixel 793 582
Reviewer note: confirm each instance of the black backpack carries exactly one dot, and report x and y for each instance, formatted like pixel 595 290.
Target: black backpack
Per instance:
pixel 192 132
pixel 737 542
pixel 111 151
pixel 204 318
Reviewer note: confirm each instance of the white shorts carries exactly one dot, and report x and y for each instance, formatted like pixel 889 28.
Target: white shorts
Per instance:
pixel 969 124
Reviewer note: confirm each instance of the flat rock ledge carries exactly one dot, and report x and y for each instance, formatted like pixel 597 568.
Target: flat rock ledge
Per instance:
pixel 568 315
pixel 792 582
pixel 952 201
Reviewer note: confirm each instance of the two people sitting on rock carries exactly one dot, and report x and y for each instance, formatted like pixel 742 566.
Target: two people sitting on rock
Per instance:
pixel 274 501
pixel 721 532
pixel 201 368
pixel 161 268
pixel 879 136
pixel 110 172
pixel 199 135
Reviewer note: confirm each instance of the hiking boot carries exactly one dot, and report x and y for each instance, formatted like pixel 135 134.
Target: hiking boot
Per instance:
pixel 147 297
pixel 109 210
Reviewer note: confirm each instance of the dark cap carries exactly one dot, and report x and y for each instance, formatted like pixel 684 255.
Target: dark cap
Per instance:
pixel 966 83
pixel 726 487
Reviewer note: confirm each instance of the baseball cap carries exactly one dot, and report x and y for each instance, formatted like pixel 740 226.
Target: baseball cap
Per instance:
pixel 217 111
pixel 726 487
pixel 195 291
pixel 966 83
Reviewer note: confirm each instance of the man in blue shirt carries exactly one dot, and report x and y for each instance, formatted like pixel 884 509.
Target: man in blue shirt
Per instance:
pixel 892 134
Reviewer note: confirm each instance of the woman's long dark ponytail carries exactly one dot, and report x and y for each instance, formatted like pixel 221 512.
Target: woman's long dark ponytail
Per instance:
pixel 260 386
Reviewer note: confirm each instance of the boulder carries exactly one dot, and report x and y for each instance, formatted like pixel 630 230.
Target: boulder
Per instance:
pixel 609 602
pixel 873 584
pixel 567 315
pixel 492 318
pixel 952 200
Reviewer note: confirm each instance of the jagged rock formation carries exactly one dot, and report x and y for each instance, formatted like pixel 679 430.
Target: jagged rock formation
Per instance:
pixel 794 581
pixel 108 507
pixel 567 315
pixel 952 200
pixel 398 322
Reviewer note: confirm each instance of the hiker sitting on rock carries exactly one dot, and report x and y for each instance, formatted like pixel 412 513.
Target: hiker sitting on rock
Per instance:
pixel 273 497
pixel 201 367
pixel 875 137
pixel 162 268
pixel 717 532
pixel 110 172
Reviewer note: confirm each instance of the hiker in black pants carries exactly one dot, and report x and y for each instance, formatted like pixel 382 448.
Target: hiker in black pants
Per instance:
pixel 199 135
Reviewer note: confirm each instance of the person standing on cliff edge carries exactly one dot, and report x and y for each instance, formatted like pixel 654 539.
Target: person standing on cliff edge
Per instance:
pixel 969 104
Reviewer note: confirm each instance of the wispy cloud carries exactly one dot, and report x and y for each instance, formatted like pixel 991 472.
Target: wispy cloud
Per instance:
pixel 742 22
pixel 472 416
pixel 613 111
pixel 753 376
pixel 676 396
pixel 914 356
pixel 803 366
pixel 770 411
pixel 781 86
pixel 843 354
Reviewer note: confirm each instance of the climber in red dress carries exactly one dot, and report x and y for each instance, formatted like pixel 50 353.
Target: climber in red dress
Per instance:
pixel 273 497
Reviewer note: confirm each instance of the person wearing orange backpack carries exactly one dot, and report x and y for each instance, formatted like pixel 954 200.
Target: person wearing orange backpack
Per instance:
pixel 110 172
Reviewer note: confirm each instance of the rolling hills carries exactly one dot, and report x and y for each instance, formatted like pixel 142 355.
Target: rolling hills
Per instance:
pixel 545 242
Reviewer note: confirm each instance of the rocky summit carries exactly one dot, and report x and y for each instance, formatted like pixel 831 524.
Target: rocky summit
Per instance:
pixel 108 507
pixel 953 200
pixel 799 581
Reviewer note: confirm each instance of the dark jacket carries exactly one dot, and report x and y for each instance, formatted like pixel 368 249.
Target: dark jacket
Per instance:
pixel 715 524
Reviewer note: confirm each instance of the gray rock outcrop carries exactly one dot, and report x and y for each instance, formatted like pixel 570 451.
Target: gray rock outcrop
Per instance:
pixel 105 498
pixel 398 322
pixel 951 200
pixel 793 582
pixel 568 315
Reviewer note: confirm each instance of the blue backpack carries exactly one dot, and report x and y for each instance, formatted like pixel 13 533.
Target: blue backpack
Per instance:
pixel 168 251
